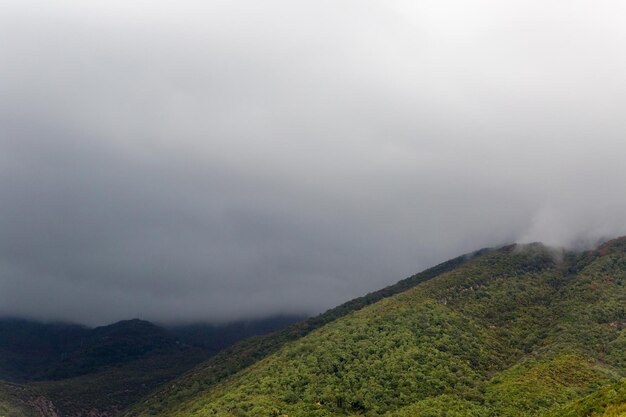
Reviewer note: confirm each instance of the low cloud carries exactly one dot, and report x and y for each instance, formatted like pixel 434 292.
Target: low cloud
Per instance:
pixel 181 161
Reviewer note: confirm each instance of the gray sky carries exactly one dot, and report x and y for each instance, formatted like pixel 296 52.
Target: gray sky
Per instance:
pixel 215 160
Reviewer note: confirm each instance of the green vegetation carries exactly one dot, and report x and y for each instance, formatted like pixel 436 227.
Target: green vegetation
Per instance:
pixel 521 331
pixel 609 401
pixel 247 352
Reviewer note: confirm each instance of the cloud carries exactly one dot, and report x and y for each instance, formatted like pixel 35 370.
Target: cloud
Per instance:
pixel 216 160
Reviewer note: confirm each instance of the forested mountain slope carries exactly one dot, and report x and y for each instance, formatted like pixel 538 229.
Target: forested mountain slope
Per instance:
pixel 67 370
pixel 608 401
pixel 519 331
pixel 245 353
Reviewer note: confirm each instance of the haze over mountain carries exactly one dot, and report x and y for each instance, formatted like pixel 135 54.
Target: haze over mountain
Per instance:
pixel 184 160
pixel 205 206
pixel 31 351
pixel 61 369
pixel 516 331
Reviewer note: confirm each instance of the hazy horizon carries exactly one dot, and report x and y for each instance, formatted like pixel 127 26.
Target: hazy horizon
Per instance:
pixel 194 161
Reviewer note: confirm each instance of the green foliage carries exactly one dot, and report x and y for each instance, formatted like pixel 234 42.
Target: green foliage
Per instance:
pixel 247 352
pixel 442 406
pixel 520 331
pixel 370 364
pixel 536 385
pixel 609 401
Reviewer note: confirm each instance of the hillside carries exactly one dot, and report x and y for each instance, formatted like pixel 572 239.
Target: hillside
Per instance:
pixel 44 351
pixel 246 352
pixel 28 348
pixel 69 370
pixel 519 331
pixel 608 401
pixel 17 401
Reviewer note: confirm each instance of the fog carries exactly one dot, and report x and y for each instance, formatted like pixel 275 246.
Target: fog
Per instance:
pixel 219 160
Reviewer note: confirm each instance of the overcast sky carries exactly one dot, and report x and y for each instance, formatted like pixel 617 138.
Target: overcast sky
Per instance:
pixel 216 160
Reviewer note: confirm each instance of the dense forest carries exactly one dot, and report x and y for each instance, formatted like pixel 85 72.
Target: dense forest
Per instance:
pixel 519 331
pixel 523 330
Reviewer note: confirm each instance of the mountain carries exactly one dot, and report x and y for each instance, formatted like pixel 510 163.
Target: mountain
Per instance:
pixel 249 351
pixel 118 343
pixel 29 348
pixel 524 330
pixel 67 370
pixel 216 337
pixel 44 351
pixel 102 393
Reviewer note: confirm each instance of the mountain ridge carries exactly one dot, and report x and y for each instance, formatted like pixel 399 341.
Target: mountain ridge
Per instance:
pixel 71 370
pixel 532 309
pixel 519 330
pixel 251 350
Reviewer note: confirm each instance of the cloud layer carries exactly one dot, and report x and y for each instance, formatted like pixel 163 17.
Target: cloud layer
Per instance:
pixel 218 160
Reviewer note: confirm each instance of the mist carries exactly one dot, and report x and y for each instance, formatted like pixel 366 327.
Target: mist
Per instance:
pixel 189 160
